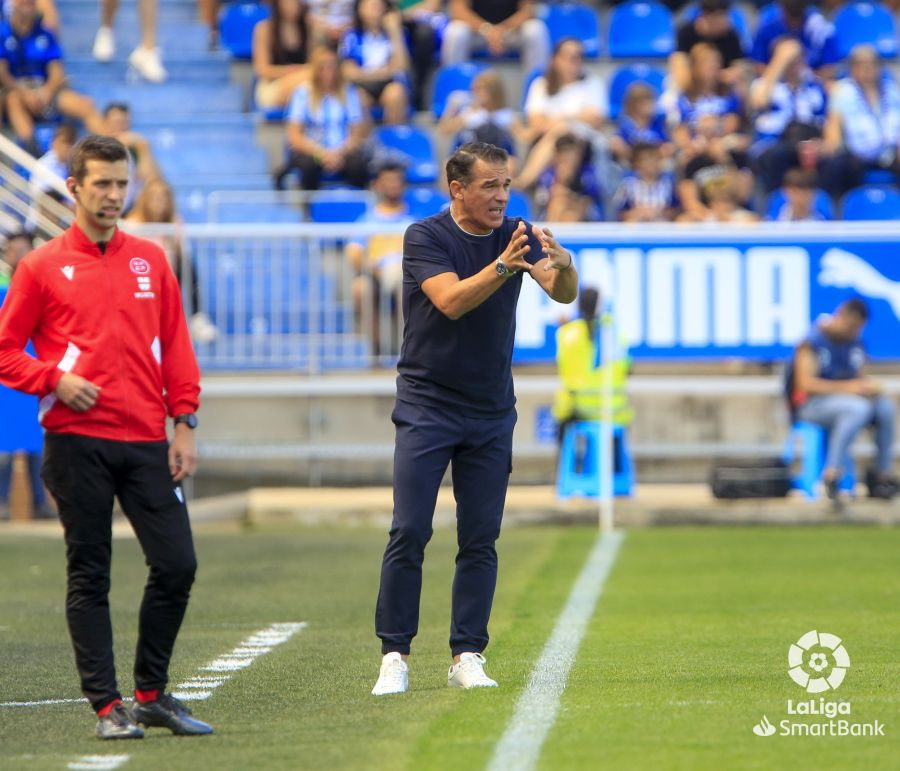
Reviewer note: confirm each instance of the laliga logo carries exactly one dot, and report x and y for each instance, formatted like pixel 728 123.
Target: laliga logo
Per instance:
pixel 818 661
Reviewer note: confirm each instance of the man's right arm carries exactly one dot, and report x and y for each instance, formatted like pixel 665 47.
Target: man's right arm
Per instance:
pixel 19 318
pixel 807 380
pixel 455 297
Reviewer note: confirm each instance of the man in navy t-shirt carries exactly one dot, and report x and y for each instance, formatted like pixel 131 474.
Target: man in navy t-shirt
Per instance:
pixel 830 388
pixel 462 273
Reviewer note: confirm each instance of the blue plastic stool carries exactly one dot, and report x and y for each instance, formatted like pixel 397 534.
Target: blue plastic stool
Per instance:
pixel 813 440
pixel 581 475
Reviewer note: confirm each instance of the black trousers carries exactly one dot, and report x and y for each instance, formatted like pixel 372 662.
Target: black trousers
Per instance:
pixel 480 451
pixel 354 173
pixel 84 475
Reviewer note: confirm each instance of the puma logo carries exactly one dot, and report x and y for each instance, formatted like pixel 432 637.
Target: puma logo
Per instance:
pixel 68 271
pixel 846 270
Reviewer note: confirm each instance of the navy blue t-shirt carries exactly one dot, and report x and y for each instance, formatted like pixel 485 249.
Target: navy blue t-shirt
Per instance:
pixel 838 360
pixel 464 364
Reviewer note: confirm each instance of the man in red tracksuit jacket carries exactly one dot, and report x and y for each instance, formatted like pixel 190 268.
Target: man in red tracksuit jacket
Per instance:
pixel 114 358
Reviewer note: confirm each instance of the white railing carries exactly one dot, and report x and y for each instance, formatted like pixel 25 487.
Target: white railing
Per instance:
pixel 22 201
pixel 285 296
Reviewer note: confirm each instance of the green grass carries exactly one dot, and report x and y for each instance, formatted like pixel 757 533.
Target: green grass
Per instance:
pixel 687 650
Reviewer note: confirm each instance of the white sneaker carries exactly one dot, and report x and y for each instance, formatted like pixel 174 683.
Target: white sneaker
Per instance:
pixel 147 62
pixel 469 673
pixel 394 676
pixel 104 44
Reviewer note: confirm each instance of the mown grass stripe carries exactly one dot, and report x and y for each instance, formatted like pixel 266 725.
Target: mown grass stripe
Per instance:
pixel 520 746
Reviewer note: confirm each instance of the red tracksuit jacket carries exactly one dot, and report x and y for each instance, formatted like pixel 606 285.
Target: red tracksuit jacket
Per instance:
pixel 115 319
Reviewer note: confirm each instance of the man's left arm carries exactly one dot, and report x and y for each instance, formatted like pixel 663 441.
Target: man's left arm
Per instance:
pixel 555 271
pixel 181 376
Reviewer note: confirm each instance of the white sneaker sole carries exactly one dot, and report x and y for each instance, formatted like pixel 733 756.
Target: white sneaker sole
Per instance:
pixel 377 692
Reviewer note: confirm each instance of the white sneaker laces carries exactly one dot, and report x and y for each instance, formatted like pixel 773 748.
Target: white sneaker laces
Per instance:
pixel 473 665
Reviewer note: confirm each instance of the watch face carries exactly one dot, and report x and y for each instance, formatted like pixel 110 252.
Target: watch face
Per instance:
pixel 502 270
pixel 190 420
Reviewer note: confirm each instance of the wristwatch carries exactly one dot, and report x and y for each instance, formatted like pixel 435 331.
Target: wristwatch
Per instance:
pixel 188 418
pixel 501 267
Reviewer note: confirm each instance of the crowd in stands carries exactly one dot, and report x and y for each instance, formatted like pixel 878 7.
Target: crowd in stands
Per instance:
pixel 738 111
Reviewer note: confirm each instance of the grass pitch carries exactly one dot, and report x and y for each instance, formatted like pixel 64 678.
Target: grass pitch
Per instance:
pixel 686 651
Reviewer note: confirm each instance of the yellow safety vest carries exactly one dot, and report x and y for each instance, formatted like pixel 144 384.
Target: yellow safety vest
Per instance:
pixel 580 395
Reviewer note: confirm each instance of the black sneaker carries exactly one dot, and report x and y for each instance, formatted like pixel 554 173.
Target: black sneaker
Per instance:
pixel 168 712
pixel 117 724
pixel 833 492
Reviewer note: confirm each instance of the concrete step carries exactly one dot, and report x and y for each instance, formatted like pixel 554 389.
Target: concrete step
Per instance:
pixel 201 69
pixel 158 100
pixel 190 37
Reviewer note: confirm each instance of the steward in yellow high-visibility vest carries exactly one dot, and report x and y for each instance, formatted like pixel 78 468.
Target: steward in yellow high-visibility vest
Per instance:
pixel 578 357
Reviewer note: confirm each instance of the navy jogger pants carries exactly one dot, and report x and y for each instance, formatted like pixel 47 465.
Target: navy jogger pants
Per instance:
pixel 428 439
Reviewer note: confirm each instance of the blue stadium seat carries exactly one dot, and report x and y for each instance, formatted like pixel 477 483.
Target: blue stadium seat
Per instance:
pixel 411 146
pixel 625 76
pixel 236 23
pixel 871 23
pixel 872 202
pixel 821 203
pixel 457 77
pixel 574 20
pixel 339 206
pixel 813 441
pixel 738 21
pixel 579 466
pixel 425 201
pixel 640 30
pixel 519 205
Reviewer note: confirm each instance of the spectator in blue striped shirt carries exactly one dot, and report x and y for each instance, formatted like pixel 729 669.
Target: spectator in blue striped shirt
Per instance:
pixel 862 130
pixel 647 194
pixel 640 122
pixel 789 102
pixel 326 128
pixel 375 58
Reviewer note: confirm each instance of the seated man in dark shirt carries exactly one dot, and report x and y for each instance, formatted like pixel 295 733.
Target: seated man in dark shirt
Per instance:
pixel 828 386
pixel 713 25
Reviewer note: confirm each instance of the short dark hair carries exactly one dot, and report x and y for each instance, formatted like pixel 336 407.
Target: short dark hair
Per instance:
pixel 120 106
pixel 95 148
pixel 713 6
pixel 643 148
pixel 65 131
pixel 856 306
pixel 23 234
pixel 801 178
pixel 390 166
pixel 459 165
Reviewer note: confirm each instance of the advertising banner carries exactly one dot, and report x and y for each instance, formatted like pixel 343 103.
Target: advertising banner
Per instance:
pixel 747 292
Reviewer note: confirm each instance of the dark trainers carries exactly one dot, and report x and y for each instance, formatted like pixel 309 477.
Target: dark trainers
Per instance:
pixel 117 724
pixel 168 712
pixel 833 492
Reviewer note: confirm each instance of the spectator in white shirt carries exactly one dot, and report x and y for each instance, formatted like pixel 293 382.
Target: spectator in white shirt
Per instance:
pixel 863 125
pixel 565 96
pixel 56 160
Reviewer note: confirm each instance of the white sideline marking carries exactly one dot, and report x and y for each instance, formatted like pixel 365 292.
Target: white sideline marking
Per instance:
pixel 43 703
pixel 201 687
pixel 98 762
pixel 520 746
